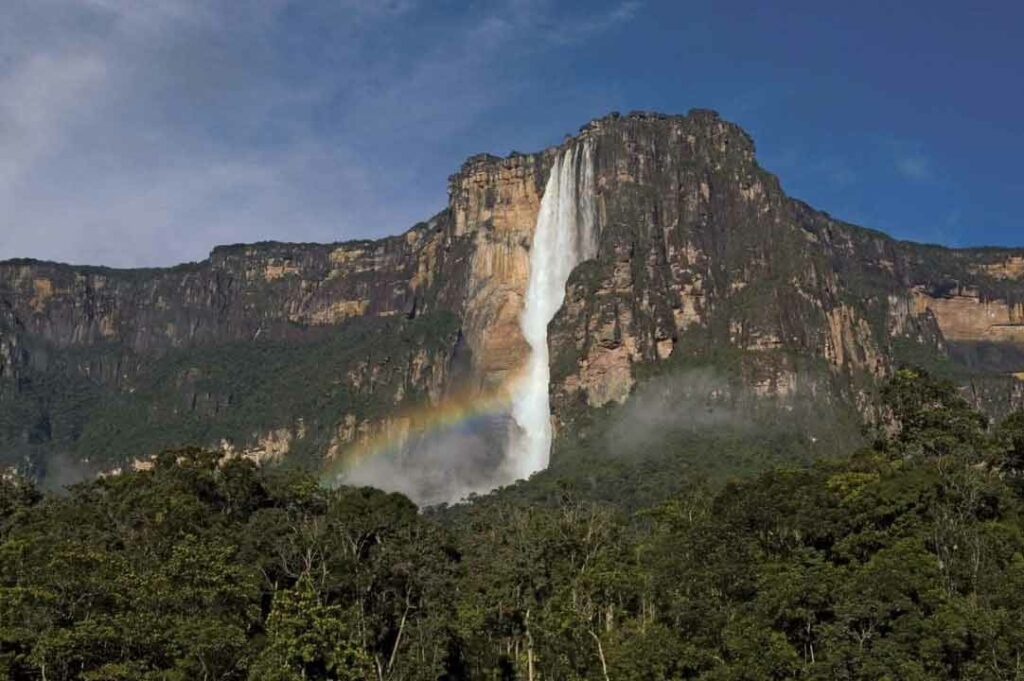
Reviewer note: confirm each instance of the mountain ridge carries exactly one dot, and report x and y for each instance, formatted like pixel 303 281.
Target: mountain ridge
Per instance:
pixel 486 157
pixel 700 250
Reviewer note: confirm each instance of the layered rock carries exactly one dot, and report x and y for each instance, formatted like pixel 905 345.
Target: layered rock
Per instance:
pixel 965 316
pixel 494 202
pixel 701 258
pixel 702 251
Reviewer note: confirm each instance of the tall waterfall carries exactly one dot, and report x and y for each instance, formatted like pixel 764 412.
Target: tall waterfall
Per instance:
pixel 565 236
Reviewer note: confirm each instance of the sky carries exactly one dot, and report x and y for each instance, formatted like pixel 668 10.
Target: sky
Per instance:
pixel 145 132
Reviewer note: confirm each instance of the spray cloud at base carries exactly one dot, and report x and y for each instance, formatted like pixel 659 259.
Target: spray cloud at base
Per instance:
pixel 473 445
pixel 435 453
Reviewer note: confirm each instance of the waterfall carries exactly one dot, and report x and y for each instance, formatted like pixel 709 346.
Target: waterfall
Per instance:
pixel 564 237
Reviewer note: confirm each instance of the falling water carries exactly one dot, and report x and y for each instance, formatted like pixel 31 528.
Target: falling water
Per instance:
pixel 565 236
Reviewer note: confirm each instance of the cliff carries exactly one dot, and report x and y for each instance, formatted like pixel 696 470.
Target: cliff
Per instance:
pixel 278 349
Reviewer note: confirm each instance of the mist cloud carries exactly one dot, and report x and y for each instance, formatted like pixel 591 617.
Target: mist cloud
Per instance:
pixel 688 401
pixel 441 467
pixel 702 403
pixel 62 470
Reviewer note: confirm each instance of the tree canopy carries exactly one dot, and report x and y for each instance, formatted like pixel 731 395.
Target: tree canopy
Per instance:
pixel 903 561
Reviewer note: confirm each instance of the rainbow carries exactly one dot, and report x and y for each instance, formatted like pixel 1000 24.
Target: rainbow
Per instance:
pixel 452 412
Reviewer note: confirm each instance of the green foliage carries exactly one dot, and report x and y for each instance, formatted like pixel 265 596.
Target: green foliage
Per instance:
pixel 232 391
pixel 237 390
pixel 307 639
pixel 929 416
pixel 903 561
pixel 206 568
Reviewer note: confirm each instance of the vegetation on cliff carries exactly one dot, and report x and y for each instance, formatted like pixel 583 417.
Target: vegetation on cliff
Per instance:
pixel 701 256
pixel 231 392
pixel 903 561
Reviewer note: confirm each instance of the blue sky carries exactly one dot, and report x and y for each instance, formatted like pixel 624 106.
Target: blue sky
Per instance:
pixel 144 133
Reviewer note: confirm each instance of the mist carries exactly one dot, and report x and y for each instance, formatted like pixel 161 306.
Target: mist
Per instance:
pixel 441 467
pixel 704 402
pixel 659 418
pixel 671 405
pixel 63 470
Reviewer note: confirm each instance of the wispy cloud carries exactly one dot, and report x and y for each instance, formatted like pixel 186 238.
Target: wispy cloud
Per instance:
pixel 37 107
pixel 838 171
pixel 576 29
pixel 145 133
pixel 914 166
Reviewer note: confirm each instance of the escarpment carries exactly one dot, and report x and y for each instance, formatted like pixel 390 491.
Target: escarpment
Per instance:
pixel 279 349
pixel 494 204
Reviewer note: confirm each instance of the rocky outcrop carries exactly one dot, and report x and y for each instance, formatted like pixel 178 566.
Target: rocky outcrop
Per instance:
pixel 965 316
pixel 701 252
pixel 702 258
pixel 494 203
pixel 1010 268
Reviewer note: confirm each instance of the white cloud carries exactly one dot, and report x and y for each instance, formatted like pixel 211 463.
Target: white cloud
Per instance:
pixel 141 133
pixel 38 102
pixel 914 167
pixel 577 29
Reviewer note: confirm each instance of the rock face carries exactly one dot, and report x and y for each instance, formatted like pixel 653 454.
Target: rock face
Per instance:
pixel 704 258
pixel 964 315
pixel 494 203
pixel 302 349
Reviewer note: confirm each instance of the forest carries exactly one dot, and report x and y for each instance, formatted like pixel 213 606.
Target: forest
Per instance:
pixel 904 560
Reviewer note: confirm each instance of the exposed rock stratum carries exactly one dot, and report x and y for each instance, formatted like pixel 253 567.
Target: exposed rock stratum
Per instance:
pixel 276 350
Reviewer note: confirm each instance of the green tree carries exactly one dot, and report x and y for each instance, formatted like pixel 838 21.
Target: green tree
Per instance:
pixel 926 416
pixel 307 639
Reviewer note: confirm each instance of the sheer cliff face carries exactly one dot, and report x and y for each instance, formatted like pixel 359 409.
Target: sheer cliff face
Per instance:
pixel 702 251
pixel 494 204
pixel 239 293
pixel 701 257
pixel 78 345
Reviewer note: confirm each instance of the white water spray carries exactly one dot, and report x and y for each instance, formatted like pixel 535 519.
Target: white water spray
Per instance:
pixel 565 236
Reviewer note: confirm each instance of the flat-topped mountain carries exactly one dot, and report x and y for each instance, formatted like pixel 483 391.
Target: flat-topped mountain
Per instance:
pixel 306 351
